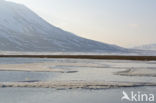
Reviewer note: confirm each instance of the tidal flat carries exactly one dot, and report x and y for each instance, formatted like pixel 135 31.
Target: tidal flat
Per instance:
pixel 76 78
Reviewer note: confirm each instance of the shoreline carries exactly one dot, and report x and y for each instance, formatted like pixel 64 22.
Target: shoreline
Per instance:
pixel 74 84
pixel 111 57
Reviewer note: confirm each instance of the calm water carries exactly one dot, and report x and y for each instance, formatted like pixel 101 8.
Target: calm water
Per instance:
pixel 87 70
pixel 19 76
pixel 43 95
pixel 85 74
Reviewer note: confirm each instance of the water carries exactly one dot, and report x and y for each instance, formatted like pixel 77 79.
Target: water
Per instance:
pixel 19 76
pixel 86 70
pixel 44 95
pixel 80 73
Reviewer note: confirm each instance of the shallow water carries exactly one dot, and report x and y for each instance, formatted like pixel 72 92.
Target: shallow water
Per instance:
pixel 87 70
pixel 19 76
pixel 45 95
pixel 100 74
pixel 85 74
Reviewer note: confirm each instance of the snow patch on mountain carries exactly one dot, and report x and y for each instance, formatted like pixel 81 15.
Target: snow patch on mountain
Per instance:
pixel 23 30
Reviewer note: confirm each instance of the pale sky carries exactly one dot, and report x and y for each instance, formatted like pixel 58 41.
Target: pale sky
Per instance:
pixel 125 23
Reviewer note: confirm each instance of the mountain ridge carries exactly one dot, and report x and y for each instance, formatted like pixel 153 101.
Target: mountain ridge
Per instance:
pixel 23 30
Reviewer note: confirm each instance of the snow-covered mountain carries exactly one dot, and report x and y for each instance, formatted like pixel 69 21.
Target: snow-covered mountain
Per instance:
pixel 23 30
pixel 147 47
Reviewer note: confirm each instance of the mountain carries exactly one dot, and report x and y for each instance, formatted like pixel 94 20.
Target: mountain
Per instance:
pixel 147 47
pixel 23 30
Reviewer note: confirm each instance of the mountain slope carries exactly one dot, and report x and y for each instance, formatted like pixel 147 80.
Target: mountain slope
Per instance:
pixel 23 30
pixel 146 47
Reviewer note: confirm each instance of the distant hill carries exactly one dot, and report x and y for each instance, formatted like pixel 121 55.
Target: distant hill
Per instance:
pixel 146 47
pixel 22 30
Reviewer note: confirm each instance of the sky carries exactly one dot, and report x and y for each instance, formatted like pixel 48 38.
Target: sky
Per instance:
pixel 126 23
